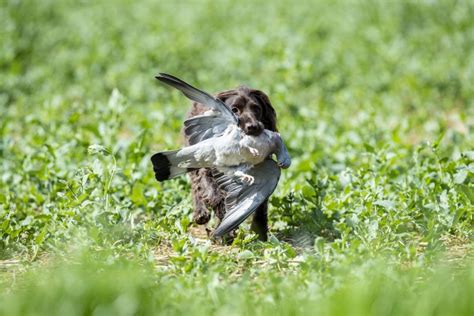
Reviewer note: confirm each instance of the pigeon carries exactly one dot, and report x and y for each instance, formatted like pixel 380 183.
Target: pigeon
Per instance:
pixel 240 163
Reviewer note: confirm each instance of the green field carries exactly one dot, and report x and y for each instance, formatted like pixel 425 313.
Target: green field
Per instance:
pixel 375 101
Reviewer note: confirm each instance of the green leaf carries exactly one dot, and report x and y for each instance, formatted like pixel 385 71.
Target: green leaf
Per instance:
pixel 460 176
pixel 41 236
pixel 467 191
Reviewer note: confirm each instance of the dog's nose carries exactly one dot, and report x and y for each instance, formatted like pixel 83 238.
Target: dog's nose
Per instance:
pixel 253 129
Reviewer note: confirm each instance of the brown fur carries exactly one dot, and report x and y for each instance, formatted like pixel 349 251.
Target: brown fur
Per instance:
pixel 255 113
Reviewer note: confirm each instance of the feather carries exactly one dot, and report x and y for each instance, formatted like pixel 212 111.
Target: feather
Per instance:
pixel 242 199
pixel 197 95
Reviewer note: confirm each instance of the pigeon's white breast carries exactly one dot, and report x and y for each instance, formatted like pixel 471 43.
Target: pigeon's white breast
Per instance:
pixel 227 147
pixel 232 148
pixel 263 143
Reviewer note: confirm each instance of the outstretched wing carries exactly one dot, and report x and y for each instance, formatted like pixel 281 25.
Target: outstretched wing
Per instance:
pixel 210 124
pixel 197 95
pixel 202 127
pixel 243 199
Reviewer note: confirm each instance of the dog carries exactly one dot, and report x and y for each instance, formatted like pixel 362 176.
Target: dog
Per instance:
pixel 255 113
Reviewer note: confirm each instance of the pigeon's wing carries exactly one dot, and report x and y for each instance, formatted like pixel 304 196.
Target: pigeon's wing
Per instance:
pixel 243 199
pixel 202 127
pixel 198 95
pixel 210 124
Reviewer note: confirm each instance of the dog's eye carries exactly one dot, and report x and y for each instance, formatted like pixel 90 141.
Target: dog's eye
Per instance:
pixel 235 110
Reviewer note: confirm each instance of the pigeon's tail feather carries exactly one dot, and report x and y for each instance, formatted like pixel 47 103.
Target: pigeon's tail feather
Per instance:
pixel 165 165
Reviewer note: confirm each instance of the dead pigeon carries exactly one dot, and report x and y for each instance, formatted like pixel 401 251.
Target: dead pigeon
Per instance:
pixel 240 162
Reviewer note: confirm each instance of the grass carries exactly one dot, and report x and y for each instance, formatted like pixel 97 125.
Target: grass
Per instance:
pixel 374 101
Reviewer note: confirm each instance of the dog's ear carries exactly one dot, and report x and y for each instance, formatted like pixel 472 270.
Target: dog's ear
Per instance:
pixel 269 118
pixel 224 95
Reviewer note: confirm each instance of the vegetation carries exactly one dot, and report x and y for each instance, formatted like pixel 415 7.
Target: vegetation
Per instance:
pixel 375 101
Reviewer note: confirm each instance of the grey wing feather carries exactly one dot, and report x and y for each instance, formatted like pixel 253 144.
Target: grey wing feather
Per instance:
pixel 202 127
pixel 197 95
pixel 242 199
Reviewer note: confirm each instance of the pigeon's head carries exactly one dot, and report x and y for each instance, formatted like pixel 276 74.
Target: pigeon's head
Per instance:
pixel 252 108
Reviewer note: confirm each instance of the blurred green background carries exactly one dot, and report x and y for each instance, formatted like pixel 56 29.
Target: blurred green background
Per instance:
pixel 375 100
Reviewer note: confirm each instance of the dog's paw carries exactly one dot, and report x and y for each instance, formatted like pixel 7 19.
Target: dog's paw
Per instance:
pixel 201 217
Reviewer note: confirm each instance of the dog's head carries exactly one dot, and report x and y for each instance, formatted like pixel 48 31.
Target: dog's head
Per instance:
pixel 252 107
